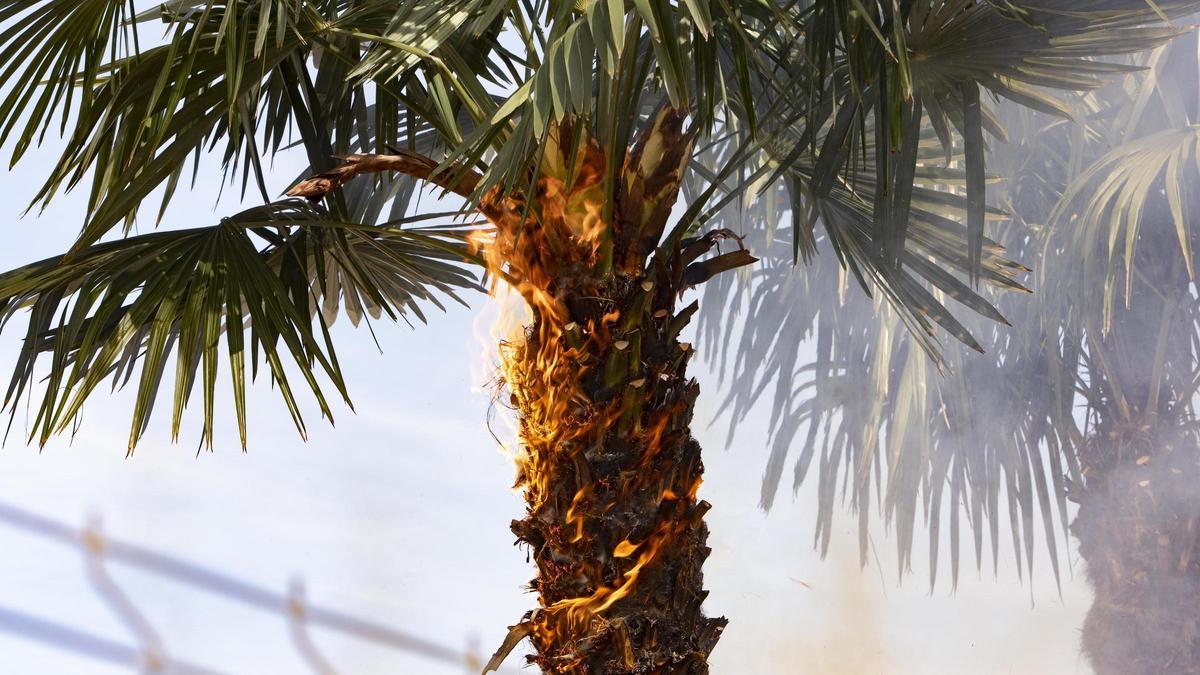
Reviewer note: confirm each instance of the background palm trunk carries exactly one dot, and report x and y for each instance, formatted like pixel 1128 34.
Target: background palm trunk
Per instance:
pixel 1138 529
pixel 1138 524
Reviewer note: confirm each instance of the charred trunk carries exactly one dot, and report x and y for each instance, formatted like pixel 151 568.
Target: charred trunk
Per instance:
pixel 598 381
pixel 611 477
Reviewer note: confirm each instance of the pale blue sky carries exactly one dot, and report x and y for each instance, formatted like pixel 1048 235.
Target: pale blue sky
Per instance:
pixel 401 514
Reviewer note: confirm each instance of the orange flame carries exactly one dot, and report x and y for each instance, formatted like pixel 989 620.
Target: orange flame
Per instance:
pixel 544 355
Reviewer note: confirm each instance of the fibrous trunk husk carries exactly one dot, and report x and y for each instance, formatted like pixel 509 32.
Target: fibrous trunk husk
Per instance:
pixel 1138 529
pixel 613 521
pixel 599 383
pixel 1138 524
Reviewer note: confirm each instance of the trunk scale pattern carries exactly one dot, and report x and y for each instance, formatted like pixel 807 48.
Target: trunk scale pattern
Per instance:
pixel 598 381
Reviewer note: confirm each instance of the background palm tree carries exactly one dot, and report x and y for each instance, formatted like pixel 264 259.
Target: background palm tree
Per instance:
pixel 571 128
pixel 1089 398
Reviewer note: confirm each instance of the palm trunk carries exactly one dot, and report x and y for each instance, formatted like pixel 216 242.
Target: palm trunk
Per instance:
pixel 599 382
pixel 1138 524
pixel 611 476
pixel 1138 529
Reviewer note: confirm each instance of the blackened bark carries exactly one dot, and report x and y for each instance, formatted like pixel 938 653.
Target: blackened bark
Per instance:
pixel 599 383
pixel 613 522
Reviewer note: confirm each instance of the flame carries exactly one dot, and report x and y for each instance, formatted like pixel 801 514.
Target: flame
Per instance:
pixel 581 610
pixel 573 517
pixel 534 254
pixel 624 549
pixel 501 321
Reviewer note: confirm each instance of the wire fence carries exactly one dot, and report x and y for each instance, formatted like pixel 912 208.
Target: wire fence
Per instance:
pixel 149 655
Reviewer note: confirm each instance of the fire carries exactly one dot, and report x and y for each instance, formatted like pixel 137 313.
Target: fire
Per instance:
pixel 542 363
pixel 573 517
pixel 625 549
pixel 580 610
pixel 591 368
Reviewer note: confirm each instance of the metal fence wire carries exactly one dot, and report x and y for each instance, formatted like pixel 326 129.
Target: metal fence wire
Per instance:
pixel 149 654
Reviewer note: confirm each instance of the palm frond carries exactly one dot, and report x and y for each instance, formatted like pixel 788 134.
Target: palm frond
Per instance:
pixel 831 108
pixel 999 441
pixel 269 281
pixel 1105 207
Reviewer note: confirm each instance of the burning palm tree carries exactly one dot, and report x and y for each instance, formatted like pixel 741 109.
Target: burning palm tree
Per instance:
pixel 571 129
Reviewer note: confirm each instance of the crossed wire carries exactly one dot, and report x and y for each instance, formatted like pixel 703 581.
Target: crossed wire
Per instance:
pixel 150 654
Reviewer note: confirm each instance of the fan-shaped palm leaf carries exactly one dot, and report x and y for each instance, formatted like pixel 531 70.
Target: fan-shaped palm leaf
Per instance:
pixel 97 313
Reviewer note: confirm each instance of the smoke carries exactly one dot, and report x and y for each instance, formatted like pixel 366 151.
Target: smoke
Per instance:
pixel 852 641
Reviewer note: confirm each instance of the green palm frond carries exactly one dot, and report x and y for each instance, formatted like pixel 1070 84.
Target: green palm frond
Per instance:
pixel 56 54
pixel 232 72
pixel 927 60
pixel 267 281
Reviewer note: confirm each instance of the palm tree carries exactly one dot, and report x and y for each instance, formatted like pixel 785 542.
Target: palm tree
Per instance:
pixel 571 128
pixel 1089 399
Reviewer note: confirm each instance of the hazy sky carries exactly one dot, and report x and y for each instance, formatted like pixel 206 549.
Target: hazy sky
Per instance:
pixel 401 515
